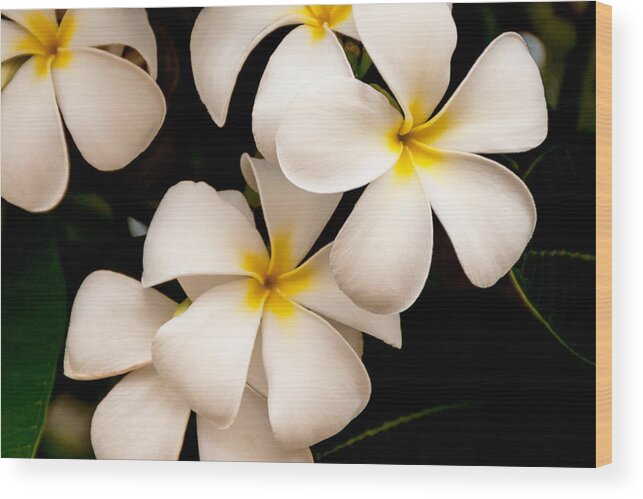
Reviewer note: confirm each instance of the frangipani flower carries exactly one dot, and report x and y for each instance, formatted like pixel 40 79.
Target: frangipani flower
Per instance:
pixel 111 107
pixel 294 317
pixel 223 37
pixel 113 322
pixel 339 134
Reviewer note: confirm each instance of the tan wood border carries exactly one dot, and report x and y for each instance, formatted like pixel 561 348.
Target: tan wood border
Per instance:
pixel 603 234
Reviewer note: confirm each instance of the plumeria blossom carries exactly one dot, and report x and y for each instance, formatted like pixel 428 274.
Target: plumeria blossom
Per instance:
pixel 223 37
pixel 113 322
pixel 339 134
pixel 111 107
pixel 263 318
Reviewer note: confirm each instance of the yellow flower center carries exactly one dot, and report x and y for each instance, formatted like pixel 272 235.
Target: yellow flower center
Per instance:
pixel 318 16
pixel 47 41
pixel 275 280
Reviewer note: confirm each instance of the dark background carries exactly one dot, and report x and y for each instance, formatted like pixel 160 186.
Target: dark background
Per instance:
pixel 523 399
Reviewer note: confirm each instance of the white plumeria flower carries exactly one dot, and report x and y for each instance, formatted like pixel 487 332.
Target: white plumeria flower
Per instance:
pixel 294 317
pixel 111 107
pixel 339 134
pixel 113 322
pixel 224 36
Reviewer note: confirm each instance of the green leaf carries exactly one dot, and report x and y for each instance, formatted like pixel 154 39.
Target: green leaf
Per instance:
pixel 34 323
pixel 557 287
pixel 389 425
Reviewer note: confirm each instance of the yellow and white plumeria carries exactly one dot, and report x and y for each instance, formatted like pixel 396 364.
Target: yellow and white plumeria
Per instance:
pixel 224 36
pixel 111 107
pixel 113 322
pixel 294 318
pixel 339 134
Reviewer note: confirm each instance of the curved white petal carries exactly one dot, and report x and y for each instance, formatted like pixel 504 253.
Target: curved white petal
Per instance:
pixel 317 383
pixel 338 134
pixel 248 439
pixel 140 418
pixel 221 40
pixel 382 254
pixel 313 286
pixel 112 108
pixel 499 107
pixel 41 22
pixel 294 217
pixel 486 210
pixel 256 371
pixel 204 353
pixel 354 337
pixel 302 57
pixel 238 200
pixel 129 27
pixel 411 46
pixel 16 40
pixel 194 232
pixel 113 321
pixel 35 163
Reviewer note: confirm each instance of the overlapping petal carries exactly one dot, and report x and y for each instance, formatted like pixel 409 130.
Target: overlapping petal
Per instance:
pixel 248 439
pixel 38 22
pixel 112 108
pixel 16 40
pixel 317 383
pixel 313 286
pixel 338 134
pixel 194 232
pixel 204 353
pixel 381 256
pixel 411 45
pixel 113 321
pixel 500 106
pixel 100 27
pixel 35 163
pixel 487 211
pixel 294 217
pixel 237 199
pixel 222 38
pixel 302 57
pixel 140 418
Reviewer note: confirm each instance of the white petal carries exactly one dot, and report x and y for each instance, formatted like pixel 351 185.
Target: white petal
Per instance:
pixel 486 210
pixel 257 372
pixel 194 232
pixel 248 439
pixel 382 254
pixel 204 353
pixel 112 108
pixel 353 337
pixel 221 40
pixel 113 321
pixel 34 21
pixel 313 286
pixel 302 57
pixel 499 107
pixel 237 200
pixel 140 418
pixel 195 285
pixel 129 27
pixel 411 46
pixel 16 40
pixel 317 383
pixel 294 217
pixel 35 164
pixel 338 134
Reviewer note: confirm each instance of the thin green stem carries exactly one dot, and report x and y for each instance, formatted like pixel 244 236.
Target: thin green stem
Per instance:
pixel 389 425
pixel 530 306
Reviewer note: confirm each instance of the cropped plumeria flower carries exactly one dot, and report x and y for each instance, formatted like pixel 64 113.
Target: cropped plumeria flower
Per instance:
pixel 111 107
pixel 113 322
pixel 224 36
pixel 293 317
pixel 339 134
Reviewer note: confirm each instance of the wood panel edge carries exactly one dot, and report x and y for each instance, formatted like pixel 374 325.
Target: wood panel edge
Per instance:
pixel 603 234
